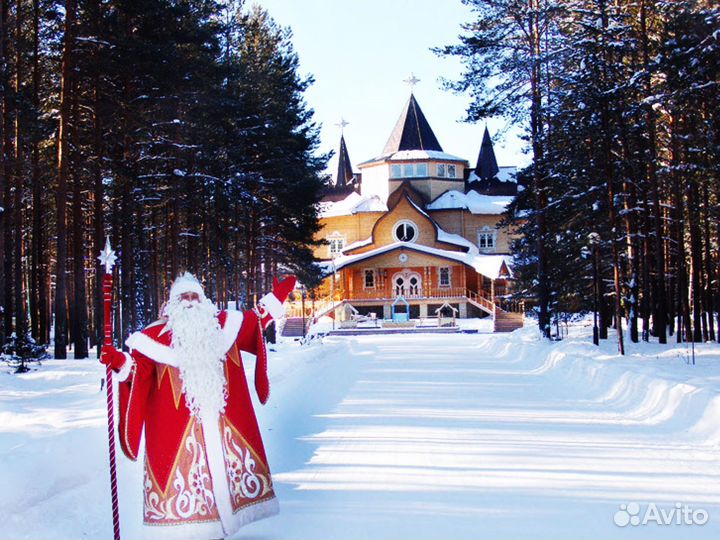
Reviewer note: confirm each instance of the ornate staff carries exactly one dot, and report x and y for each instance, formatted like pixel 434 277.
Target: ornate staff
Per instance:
pixel 107 258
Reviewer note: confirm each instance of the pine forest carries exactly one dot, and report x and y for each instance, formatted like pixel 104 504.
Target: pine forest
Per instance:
pixel 178 129
pixel 620 213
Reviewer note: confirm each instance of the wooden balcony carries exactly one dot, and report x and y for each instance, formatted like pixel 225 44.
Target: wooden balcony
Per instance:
pixel 442 294
pixel 482 300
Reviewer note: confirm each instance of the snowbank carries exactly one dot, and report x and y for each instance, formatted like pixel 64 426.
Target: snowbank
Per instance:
pixel 443 436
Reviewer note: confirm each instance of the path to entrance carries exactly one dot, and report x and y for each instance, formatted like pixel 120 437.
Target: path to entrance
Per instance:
pixel 470 437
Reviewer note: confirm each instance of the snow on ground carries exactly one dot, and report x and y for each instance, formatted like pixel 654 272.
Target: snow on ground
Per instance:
pixel 412 436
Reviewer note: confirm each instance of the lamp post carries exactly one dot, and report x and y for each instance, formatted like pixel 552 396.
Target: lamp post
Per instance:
pixel 594 241
pixel 302 297
pixel 332 293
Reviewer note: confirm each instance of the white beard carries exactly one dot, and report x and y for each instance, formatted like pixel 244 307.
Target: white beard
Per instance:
pixel 196 340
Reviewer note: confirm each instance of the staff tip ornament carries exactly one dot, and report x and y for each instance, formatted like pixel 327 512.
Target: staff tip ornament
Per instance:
pixel 107 256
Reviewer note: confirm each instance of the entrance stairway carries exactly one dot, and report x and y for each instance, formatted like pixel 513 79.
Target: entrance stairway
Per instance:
pixel 293 327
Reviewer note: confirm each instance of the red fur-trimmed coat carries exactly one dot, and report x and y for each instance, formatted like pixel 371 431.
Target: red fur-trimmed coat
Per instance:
pixel 202 480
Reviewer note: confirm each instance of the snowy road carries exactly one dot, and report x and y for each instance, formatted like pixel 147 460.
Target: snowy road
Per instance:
pixel 480 437
pixel 399 437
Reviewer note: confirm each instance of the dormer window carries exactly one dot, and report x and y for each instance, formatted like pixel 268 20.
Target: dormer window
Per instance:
pixel 337 244
pixel 486 239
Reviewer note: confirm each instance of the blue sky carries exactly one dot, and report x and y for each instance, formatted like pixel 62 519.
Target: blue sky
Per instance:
pixel 360 51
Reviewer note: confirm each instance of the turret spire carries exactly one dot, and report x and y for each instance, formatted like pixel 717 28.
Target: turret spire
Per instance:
pixel 344 175
pixel 412 131
pixel 487 167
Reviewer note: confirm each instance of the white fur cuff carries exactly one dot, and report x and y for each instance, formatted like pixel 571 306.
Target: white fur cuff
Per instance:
pixel 124 373
pixel 273 306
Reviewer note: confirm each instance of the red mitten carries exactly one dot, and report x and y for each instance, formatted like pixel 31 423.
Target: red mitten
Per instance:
pixel 110 356
pixel 281 289
pixel 272 303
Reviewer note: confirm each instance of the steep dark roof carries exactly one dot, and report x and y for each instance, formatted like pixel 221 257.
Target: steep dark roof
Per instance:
pixel 344 175
pixel 487 167
pixel 412 131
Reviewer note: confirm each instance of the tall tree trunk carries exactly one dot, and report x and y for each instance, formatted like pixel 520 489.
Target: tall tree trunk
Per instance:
pixel 3 169
pixel 695 260
pixel 126 259
pixel 80 318
pixel 609 176
pixel 18 284
pixel 98 214
pixel 709 308
pixel 6 157
pixel 38 295
pixel 536 127
pixel 97 186
pixel 631 239
pixel 684 331
pixel 61 192
pixel 659 301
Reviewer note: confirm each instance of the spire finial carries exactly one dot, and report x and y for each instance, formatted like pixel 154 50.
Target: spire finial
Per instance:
pixel 412 80
pixel 341 124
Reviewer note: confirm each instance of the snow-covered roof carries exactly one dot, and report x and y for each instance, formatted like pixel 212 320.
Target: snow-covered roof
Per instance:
pixel 358 244
pixel 472 201
pixel 443 236
pixel 487 265
pixel 407 155
pixel 422 154
pixel 352 204
pixel 450 238
pixel 504 174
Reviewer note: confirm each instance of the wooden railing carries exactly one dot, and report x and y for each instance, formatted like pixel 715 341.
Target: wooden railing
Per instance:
pixel 482 299
pixel 312 307
pixel 422 294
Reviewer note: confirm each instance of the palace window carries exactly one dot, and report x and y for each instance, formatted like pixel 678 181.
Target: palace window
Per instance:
pixel 444 276
pixel 441 169
pixel 405 231
pixel 369 279
pixel 486 239
pixel 408 170
pixel 337 244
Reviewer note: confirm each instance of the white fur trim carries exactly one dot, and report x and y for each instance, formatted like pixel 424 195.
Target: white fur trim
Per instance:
pixel 230 331
pixel 273 306
pixel 124 373
pixel 151 348
pixel 182 531
pixel 210 529
pixel 216 464
pixel 165 355
pixel 186 283
pixel 255 512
